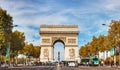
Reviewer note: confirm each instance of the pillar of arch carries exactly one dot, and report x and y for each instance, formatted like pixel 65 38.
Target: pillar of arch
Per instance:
pixel 67 34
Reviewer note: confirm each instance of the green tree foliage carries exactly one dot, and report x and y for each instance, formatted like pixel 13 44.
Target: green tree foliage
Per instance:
pixel 6 25
pixel 17 42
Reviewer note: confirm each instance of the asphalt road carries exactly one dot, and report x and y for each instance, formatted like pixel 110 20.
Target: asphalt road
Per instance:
pixel 31 68
pixel 89 68
pixel 61 68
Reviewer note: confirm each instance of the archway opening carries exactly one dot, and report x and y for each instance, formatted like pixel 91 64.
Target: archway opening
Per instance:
pixel 58 50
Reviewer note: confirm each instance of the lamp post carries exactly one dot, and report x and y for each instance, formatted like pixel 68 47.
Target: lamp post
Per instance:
pixel 8 43
pixel 107 40
pixel 119 48
pixel 116 36
pixel 28 58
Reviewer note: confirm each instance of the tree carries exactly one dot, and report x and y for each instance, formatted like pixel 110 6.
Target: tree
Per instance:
pixel 6 24
pixel 103 43
pixel 26 49
pixel 82 51
pixel 17 42
pixel 31 50
pixel 94 45
pixel 36 51
pixel 106 43
pixel 114 33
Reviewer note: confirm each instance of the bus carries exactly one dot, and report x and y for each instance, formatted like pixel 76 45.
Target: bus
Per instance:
pixel 95 61
pixel 90 62
pixel 85 61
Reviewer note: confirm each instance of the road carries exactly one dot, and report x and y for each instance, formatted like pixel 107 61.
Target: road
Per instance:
pixel 31 68
pixel 60 68
pixel 89 68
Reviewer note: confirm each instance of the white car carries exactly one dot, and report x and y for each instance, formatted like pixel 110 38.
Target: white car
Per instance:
pixel 5 65
pixel 71 64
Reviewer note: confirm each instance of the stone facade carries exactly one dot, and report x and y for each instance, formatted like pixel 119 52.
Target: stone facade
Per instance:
pixel 50 34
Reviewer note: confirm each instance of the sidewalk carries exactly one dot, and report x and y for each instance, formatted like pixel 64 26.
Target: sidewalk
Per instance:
pixel 113 66
pixel 18 65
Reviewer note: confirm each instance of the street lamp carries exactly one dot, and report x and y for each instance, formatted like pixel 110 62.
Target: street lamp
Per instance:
pixel 117 48
pixel 28 53
pixel 103 24
pixel 4 32
pixel 115 37
pixel 9 44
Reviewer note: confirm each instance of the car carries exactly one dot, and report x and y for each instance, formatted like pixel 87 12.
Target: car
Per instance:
pixel 5 65
pixel 71 64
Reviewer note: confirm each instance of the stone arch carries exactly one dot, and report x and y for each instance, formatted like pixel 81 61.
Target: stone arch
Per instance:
pixel 61 54
pixel 62 40
pixel 67 34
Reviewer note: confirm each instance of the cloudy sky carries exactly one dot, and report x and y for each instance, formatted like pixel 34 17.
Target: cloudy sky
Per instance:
pixel 89 15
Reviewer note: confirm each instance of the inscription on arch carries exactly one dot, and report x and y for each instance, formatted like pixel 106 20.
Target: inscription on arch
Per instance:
pixel 71 40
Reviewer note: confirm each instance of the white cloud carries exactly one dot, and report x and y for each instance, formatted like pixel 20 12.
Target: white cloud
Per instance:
pixel 35 20
pixel 87 17
pixel 112 4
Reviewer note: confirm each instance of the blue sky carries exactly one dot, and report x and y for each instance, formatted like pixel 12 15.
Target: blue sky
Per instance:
pixel 89 15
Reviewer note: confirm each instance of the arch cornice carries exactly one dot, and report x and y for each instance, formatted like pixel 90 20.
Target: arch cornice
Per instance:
pixel 59 32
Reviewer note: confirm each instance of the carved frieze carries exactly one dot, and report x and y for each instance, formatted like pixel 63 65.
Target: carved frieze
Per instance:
pixel 72 41
pixel 46 53
pixel 72 53
pixel 45 40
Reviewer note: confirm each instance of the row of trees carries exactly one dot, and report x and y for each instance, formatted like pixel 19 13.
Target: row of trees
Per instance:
pixel 8 39
pixel 14 41
pixel 103 43
pixel 6 25
pixel 31 50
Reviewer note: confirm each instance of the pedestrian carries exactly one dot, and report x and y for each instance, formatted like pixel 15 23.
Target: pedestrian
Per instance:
pixel 102 63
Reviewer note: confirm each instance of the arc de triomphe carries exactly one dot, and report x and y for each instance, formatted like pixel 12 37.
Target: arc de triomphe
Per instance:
pixel 67 34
